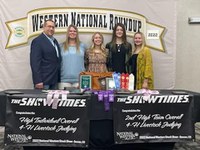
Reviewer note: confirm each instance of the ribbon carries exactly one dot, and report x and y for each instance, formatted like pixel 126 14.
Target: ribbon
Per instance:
pixel 106 101
pixel 147 93
pixel 53 97
pixel 105 96
pixel 116 78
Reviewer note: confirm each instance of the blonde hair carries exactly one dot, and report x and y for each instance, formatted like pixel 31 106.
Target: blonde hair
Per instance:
pixel 66 43
pixel 102 47
pixel 143 41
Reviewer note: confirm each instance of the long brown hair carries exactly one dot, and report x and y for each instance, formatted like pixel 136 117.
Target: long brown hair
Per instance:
pixel 66 43
pixel 124 39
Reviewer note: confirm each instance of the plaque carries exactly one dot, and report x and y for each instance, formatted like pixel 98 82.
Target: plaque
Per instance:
pixel 110 84
pixel 85 81
pixel 102 82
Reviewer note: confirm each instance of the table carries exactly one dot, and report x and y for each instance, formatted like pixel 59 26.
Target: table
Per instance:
pixel 101 123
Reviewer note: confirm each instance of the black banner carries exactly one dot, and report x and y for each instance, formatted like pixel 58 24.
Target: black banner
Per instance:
pixel 160 118
pixel 34 121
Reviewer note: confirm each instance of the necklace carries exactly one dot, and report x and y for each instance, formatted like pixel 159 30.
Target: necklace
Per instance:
pixel 118 47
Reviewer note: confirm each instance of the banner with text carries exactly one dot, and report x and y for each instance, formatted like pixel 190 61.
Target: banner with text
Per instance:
pixel 34 121
pixel 87 20
pixel 160 118
pixel 21 23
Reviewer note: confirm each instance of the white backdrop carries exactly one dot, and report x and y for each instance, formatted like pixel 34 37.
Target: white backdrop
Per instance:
pixel 14 62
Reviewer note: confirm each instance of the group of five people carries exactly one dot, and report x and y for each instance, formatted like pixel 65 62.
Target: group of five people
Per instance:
pixel 54 63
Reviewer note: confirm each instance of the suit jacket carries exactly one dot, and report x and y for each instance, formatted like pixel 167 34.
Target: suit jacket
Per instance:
pixel 44 62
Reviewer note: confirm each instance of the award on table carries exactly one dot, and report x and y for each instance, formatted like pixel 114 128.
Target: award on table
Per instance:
pixel 110 84
pixel 102 83
pixel 85 81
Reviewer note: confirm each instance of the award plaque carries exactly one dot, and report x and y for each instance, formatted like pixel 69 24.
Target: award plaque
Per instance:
pixel 85 81
pixel 110 84
pixel 102 82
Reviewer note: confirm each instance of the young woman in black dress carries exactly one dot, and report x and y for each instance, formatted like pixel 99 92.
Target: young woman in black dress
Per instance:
pixel 119 50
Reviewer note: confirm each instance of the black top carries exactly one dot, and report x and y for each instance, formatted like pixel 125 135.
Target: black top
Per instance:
pixel 133 64
pixel 117 57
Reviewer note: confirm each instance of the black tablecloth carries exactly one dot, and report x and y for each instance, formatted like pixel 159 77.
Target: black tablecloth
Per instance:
pixel 101 124
pixel 97 111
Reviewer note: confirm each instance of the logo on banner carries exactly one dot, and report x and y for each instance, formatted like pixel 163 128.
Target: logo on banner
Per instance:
pixel 88 20
pixel 127 135
pixel 160 99
pixel 19 138
pixel 19 32
pixel 50 102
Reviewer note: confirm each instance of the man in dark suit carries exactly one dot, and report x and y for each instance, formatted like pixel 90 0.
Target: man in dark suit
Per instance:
pixel 45 58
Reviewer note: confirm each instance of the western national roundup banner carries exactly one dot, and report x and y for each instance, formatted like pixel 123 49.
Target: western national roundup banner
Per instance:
pixel 155 118
pixel 32 121
pixel 22 21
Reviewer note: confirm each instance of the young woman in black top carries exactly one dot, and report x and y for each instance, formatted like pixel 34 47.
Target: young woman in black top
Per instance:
pixel 119 50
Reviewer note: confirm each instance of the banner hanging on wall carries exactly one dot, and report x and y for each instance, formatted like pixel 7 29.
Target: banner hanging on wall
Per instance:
pixel 87 20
